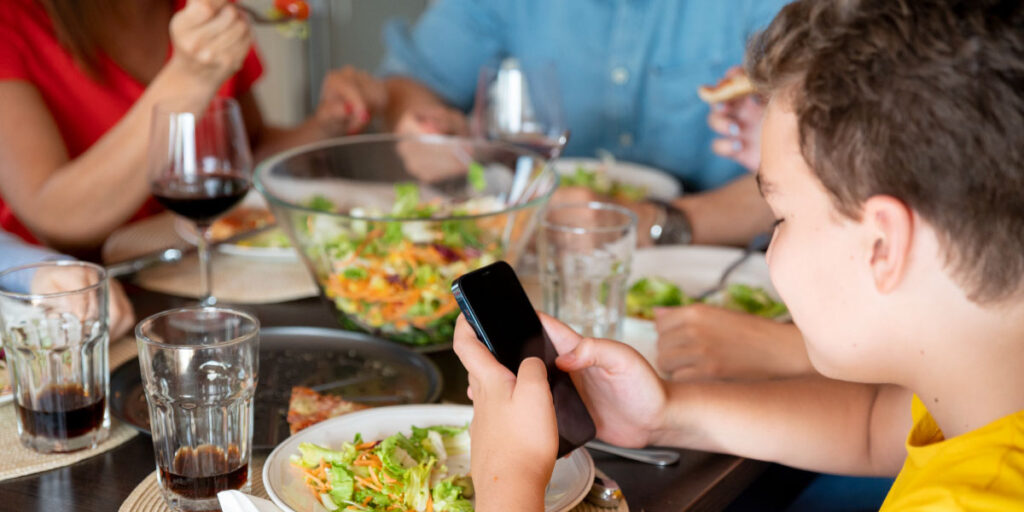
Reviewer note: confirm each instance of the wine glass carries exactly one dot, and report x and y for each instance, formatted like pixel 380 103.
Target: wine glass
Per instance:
pixel 522 105
pixel 200 166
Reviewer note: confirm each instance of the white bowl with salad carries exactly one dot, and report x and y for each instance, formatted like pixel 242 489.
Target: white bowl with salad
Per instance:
pixel 617 179
pixel 411 457
pixel 385 223
pixel 673 275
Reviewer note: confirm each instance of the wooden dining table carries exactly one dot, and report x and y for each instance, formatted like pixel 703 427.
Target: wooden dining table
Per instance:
pixel 699 482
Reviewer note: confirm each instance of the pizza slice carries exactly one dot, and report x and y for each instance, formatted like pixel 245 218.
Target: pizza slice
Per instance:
pixel 308 407
pixel 729 88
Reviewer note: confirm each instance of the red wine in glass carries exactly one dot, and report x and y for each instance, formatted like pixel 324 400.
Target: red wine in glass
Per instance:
pixel 200 198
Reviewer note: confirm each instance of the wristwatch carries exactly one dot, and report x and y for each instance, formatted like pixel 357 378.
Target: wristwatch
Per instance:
pixel 671 227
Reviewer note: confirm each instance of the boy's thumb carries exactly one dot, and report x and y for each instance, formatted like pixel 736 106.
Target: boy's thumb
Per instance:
pixel 588 353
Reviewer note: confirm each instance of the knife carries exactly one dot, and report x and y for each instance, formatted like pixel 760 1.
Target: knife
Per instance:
pixel 174 254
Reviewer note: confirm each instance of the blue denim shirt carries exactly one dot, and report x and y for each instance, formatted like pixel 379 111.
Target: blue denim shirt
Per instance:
pixel 628 69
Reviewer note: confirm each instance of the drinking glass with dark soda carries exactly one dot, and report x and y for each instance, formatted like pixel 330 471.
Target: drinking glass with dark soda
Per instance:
pixel 56 342
pixel 199 370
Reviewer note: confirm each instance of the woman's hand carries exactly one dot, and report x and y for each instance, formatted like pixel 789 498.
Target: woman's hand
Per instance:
pixel 515 437
pixel 349 98
pixel 701 342
pixel 739 123
pixel 211 40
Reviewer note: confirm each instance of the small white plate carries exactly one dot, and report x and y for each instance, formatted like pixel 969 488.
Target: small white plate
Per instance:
pixel 694 269
pixel 569 484
pixel 253 200
pixel 659 184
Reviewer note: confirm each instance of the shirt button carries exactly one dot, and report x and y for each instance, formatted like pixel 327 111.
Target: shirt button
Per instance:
pixel 620 75
pixel 626 140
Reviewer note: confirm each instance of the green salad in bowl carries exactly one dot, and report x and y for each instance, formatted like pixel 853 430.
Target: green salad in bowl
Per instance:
pixel 386 223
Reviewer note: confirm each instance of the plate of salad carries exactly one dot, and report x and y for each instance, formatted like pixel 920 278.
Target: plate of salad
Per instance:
pixel 413 457
pixel 624 181
pixel 673 276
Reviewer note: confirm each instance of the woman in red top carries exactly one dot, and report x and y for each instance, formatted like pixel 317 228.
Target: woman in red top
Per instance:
pixel 78 82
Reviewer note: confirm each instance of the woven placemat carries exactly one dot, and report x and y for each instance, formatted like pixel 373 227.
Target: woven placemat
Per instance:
pixel 236 279
pixel 147 498
pixel 18 461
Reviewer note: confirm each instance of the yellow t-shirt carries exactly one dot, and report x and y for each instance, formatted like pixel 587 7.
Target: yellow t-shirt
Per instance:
pixel 982 470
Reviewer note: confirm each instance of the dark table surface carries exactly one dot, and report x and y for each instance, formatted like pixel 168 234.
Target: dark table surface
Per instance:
pixel 700 482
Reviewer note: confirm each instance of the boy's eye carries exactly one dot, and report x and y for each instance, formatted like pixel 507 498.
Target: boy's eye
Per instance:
pixel 775 224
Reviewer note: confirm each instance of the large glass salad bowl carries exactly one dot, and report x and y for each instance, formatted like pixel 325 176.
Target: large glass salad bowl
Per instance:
pixel 385 222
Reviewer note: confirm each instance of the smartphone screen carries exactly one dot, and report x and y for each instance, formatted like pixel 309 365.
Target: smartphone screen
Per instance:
pixel 497 307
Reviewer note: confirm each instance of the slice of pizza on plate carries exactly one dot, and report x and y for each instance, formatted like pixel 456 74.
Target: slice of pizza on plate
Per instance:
pixel 307 407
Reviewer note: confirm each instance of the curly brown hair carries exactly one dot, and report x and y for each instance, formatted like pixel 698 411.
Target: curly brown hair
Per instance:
pixel 922 100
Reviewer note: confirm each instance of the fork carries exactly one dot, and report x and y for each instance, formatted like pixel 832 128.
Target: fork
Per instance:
pixel 260 18
pixel 758 243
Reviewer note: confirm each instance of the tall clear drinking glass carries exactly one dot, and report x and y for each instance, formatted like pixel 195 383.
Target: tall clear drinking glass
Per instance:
pixel 199 371
pixel 53 325
pixel 200 166
pixel 521 104
pixel 585 255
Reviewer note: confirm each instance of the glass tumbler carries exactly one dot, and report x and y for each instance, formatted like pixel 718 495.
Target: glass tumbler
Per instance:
pixel 199 371
pixel 585 254
pixel 53 327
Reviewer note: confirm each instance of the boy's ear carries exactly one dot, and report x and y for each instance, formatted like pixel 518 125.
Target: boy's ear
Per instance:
pixel 890 228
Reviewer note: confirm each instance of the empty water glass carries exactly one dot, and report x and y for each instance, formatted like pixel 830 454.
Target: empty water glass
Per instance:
pixel 585 255
pixel 521 104
pixel 199 370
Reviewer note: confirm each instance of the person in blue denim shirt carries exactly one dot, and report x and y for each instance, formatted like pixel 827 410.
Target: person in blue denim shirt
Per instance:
pixel 15 253
pixel 628 70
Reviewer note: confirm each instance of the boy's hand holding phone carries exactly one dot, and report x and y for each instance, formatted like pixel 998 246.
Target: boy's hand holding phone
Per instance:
pixel 515 437
pixel 521 423
pixel 624 395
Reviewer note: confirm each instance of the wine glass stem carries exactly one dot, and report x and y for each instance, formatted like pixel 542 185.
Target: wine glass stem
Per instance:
pixel 205 268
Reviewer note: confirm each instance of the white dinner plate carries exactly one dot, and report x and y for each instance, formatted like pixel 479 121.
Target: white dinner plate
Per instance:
pixel 659 184
pixel 569 484
pixel 694 269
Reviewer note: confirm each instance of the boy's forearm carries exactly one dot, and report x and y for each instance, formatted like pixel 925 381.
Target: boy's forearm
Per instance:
pixel 811 423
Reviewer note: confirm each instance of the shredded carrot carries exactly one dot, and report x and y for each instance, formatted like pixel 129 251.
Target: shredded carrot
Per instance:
pixel 367 483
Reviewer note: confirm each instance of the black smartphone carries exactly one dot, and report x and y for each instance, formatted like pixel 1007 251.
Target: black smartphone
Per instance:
pixel 495 304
